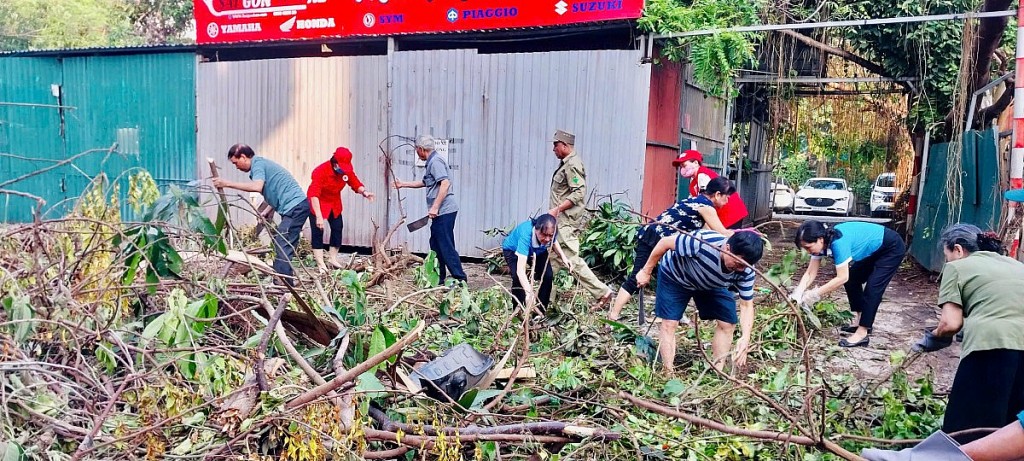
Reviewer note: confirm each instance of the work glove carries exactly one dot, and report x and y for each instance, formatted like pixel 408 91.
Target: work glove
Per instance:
pixel 931 343
pixel 797 296
pixel 811 297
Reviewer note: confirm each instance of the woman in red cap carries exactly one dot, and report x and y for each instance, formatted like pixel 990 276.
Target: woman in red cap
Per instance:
pixel 691 166
pixel 324 193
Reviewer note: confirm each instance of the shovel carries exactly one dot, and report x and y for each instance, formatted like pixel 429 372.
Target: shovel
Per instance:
pixel 418 224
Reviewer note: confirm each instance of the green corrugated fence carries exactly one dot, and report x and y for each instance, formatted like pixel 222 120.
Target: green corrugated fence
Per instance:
pixel 52 109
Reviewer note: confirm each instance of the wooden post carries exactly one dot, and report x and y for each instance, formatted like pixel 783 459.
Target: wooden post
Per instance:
pixel 223 201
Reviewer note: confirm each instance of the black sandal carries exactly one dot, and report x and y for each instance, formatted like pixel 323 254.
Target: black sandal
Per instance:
pixel 853 329
pixel 862 343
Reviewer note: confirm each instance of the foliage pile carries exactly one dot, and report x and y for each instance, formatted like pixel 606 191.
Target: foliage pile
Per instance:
pixel 100 360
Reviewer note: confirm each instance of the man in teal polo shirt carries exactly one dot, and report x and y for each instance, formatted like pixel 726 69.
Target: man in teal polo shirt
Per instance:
pixel 281 192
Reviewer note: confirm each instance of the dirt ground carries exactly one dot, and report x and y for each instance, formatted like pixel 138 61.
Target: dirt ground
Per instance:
pixel 907 307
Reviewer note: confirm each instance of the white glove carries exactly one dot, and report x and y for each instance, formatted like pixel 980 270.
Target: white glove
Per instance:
pixel 797 296
pixel 811 297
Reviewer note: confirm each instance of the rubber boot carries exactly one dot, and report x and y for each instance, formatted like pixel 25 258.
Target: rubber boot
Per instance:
pixel 318 255
pixel 333 258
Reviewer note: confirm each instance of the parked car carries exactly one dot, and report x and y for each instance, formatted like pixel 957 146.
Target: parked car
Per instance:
pixel 883 193
pixel 824 195
pixel 782 196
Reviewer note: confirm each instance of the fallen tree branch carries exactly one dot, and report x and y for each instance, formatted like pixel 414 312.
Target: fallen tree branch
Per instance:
pixel 427 442
pixel 877 441
pixel 261 351
pixel 354 373
pixel 538 428
pixel 769 436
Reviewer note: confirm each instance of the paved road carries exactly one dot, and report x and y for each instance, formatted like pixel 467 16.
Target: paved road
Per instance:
pixel 828 218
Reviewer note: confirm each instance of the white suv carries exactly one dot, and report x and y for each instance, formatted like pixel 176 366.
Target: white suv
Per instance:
pixel 883 194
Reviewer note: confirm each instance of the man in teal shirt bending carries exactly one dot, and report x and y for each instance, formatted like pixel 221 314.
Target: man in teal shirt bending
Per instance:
pixel 281 192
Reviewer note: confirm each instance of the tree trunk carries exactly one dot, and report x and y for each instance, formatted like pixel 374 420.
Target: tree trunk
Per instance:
pixel 990 33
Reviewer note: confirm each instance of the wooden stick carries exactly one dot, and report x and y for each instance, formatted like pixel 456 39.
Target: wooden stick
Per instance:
pixel 754 434
pixel 223 199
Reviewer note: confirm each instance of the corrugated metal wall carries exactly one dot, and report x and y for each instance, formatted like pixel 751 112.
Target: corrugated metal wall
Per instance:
pixel 500 110
pixel 297 112
pixel 981 201
pixel 145 103
pixel 29 130
pixel 703 122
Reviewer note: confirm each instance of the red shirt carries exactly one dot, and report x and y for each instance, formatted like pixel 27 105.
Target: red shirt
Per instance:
pixel 733 212
pixel 327 186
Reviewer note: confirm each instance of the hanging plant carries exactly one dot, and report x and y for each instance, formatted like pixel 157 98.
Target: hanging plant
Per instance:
pixel 718 58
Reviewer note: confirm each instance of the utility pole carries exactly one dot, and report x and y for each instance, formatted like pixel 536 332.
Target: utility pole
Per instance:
pixel 1017 152
pixel 1017 149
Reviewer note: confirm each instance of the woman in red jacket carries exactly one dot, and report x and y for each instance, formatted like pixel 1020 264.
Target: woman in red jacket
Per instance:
pixel 325 201
pixel 691 165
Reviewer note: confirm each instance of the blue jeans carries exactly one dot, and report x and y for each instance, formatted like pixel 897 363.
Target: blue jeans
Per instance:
pixel 442 243
pixel 287 238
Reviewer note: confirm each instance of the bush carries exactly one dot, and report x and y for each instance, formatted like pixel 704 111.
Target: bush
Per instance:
pixel 608 243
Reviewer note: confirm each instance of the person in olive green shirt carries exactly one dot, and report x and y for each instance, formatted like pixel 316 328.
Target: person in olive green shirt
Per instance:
pixel 568 196
pixel 981 292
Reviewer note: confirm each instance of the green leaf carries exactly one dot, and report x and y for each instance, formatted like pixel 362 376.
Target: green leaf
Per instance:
pixel 673 388
pixel 132 268
pixel 389 340
pixel 10 451
pixel 467 399
pixel 368 384
pixel 781 378
pixel 105 355
pixel 18 309
pixel 377 345
pixel 253 341
pixel 482 397
pixel 154 327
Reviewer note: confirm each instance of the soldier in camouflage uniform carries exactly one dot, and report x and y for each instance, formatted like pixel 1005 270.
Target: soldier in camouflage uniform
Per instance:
pixel 568 193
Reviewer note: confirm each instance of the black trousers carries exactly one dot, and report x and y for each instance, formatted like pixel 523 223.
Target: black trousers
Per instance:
pixel 871 276
pixel 644 247
pixel 317 234
pixel 442 242
pixel 541 271
pixel 988 391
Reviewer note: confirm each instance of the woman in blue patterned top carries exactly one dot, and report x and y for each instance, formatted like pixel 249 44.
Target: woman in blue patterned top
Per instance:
pixel 531 239
pixel 688 215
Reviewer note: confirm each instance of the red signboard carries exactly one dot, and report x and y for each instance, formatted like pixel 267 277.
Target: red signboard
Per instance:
pixel 226 21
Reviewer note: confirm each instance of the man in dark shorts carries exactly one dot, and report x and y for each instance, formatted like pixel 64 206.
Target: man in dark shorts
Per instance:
pixel 697 268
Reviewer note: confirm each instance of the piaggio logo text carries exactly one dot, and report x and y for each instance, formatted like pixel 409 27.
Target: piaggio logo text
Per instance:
pixel 488 13
pixel 589 7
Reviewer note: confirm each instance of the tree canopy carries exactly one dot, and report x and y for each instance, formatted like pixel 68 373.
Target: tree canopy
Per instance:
pixel 931 52
pixel 46 24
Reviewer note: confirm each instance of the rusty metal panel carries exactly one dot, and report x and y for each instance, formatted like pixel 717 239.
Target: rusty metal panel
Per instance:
pixel 703 122
pixel 500 110
pixel 296 112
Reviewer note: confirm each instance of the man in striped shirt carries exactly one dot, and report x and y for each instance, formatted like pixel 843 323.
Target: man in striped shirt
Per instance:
pixel 697 268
